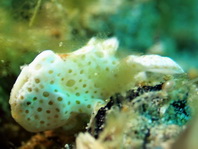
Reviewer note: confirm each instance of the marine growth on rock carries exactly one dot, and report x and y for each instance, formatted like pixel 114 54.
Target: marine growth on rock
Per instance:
pixel 54 88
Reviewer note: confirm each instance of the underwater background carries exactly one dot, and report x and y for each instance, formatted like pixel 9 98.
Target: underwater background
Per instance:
pixel 164 27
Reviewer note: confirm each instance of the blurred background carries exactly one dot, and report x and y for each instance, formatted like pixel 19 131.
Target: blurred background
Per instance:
pixel 165 27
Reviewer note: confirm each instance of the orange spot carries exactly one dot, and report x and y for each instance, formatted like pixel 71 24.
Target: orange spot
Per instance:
pixel 63 56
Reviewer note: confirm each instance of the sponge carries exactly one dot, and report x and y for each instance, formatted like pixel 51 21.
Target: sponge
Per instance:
pixel 54 88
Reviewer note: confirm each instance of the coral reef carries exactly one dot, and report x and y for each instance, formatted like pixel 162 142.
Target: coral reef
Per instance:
pixel 167 28
pixel 152 118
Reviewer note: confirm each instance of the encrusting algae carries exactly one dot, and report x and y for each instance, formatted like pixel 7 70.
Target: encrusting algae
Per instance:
pixel 54 88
